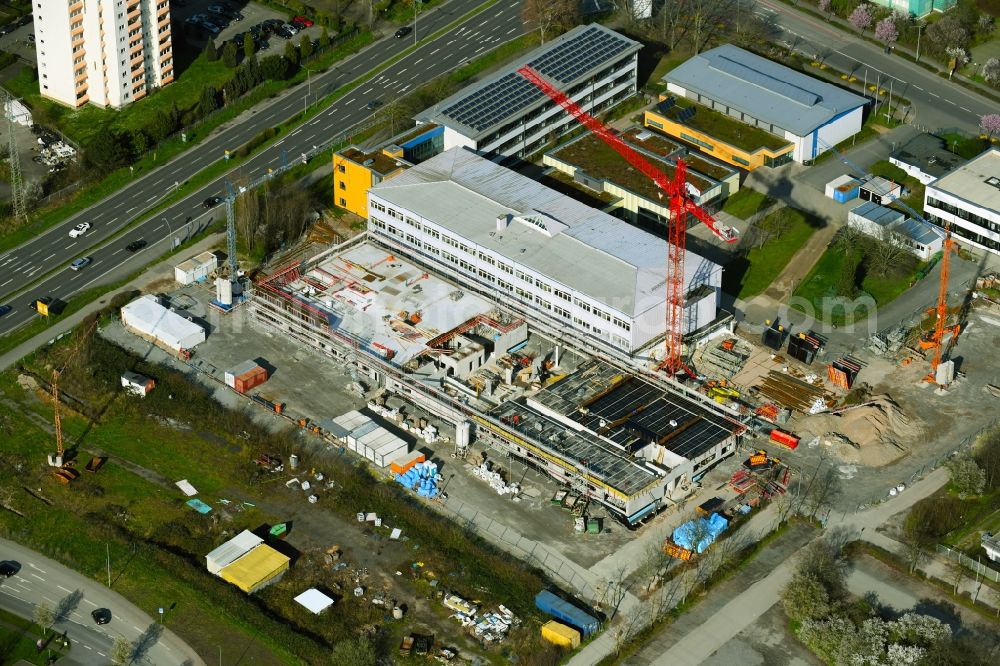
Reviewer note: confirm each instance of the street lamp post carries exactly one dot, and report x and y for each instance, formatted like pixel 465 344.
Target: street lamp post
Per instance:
pixel 107 549
pixel 920 28
pixel 170 231
pixel 416 3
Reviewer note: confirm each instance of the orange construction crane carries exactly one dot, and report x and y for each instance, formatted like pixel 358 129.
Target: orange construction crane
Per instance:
pixel 681 204
pixel 936 339
pixel 57 459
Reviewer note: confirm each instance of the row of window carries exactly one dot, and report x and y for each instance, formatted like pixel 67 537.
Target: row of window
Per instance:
pixel 964 214
pixel 490 277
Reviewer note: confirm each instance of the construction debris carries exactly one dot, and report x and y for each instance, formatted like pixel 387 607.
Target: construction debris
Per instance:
pixel 795 393
pixel 486 473
pixel 888 342
pixel 874 433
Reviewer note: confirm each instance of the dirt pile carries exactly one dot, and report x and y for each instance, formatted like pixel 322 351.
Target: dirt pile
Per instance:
pixel 874 433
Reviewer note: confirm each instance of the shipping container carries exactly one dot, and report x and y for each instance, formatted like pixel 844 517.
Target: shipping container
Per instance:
pixel 561 635
pixel 404 462
pixel 250 379
pixel 547 602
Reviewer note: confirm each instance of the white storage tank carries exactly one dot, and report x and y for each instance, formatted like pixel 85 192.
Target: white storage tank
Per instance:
pixel 463 433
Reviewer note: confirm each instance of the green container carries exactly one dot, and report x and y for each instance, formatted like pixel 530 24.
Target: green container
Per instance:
pixel 594 526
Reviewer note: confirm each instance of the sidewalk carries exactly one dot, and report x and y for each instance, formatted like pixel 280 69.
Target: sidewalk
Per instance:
pixel 162 269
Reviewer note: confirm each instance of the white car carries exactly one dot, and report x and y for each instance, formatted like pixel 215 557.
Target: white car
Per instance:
pixel 79 230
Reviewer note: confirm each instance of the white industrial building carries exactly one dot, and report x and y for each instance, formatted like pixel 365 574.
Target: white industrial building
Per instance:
pixel 367 438
pixel 196 268
pixel 108 53
pixel 528 246
pixel 812 114
pixel 920 238
pixel 147 318
pixel 968 199
pixel 504 115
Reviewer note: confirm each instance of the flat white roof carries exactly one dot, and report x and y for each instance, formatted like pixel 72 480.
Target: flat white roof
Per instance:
pixel 314 600
pixel 977 181
pixel 232 550
pixel 573 244
pixel 384 301
pixel 146 315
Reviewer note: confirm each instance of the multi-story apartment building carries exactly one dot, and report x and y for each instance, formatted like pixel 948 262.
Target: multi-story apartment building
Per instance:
pixel 506 116
pixel 109 53
pixel 967 200
pixel 539 251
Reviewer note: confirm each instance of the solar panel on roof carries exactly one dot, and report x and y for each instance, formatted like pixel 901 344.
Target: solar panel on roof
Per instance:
pixel 563 64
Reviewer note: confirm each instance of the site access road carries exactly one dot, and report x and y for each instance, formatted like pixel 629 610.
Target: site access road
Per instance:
pixel 45 581
pixel 54 249
pixel 937 102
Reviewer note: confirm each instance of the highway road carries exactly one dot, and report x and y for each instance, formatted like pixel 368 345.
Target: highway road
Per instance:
pixel 74 597
pixel 938 102
pixel 54 249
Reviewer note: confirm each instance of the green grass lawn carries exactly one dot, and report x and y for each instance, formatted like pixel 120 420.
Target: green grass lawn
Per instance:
pixel 964 145
pixel 80 124
pixel 728 130
pixel 746 202
pixel 17 641
pixel 915 198
pixel 821 285
pixel 766 263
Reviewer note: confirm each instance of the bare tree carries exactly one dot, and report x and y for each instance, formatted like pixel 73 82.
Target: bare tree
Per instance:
pixel 673 22
pixel 550 15
pixel 704 17
pixel 248 217
pixel 886 252
pixel 121 651
pixel 956 573
pixel 631 623
pixel 44 617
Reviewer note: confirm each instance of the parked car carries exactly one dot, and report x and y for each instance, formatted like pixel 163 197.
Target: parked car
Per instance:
pixel 284 31
pixel 212 202
pixel 136 245
pixel 4 309
pixel 80 263
pixel 291 28
pixel 404 31
pixel 79 230
pixel 297 25
pixel 303 20
pixel 211 27
pixel 101 616
pixel 9 568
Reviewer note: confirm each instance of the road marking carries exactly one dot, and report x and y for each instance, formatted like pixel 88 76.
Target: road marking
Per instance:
pixel 451 42
pixel 935 95
pixel 63 588
pixel 295 132
pixel 479 49
pixel 116 252
pixel 435 50
pixel 401 71
pixel 512 30
pixel 965 109
pixel 130 210
pixel 69 246
pixel 88 601
pixel 366 90
pixel 918 87
pixel 137 628
pixel 158 228
pixel 7 282
pixel 46 259
pixel 88 647
pixel 348 101
pixel 112 220
pixel 152 198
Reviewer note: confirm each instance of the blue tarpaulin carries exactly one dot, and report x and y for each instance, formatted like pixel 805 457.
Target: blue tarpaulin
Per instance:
pixel 198 505
pixel 707 530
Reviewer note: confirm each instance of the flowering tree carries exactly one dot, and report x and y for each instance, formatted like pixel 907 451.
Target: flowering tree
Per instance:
pixel 885 31
pixel 861 17
pixel 824 6
pixel 991 71
pixel 990 124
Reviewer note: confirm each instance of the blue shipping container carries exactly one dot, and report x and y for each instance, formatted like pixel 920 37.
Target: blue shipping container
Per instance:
pixel 567 612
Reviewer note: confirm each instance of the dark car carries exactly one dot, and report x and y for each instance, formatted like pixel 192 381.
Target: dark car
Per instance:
pixel 136 245
pixel 404 31
pixel 4 309
pixel 9 568
pixel 299 25
pixel 101 616
pixel 212 202
pixel 373 104
pixel 284 31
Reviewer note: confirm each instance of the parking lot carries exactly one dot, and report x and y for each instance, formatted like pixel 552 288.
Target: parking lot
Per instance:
pixel 190 18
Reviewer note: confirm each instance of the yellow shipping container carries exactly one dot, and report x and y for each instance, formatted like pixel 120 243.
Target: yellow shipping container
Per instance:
pixel 560 634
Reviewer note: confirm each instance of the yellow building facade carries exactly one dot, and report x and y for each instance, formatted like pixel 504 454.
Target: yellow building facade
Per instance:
pixel 720 150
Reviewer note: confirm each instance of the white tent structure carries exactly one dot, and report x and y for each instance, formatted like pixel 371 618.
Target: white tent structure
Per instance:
pixel 314 600
pixel 147 318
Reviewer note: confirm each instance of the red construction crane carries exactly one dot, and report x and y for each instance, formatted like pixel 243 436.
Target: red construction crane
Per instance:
pixel 681 204
pixel 936 339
